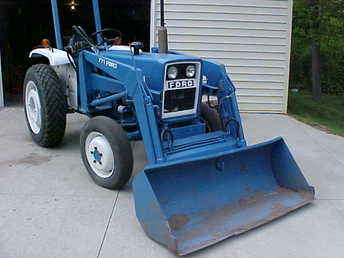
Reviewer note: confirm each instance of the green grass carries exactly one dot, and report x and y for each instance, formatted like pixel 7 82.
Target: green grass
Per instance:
pixel 327 114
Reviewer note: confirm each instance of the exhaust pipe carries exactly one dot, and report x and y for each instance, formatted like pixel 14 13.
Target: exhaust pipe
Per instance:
pixel 162 30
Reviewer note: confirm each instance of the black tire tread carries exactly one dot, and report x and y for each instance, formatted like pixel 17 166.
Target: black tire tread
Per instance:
pixel 54 104
pixel 120 145
pixel 211 117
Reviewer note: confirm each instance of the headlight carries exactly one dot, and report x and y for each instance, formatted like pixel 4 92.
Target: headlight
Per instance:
pixel 190 71
pixel 172 72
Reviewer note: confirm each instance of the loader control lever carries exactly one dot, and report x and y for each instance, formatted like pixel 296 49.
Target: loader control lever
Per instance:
pixel 81 33
pixel 79 41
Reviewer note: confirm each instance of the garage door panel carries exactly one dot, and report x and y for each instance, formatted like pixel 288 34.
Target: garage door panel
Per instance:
pixel 230 62
pixel 262 4
pixel 236 54
pixel 258 77
pixel 250 37
pixel 260 92
pixel 226 24
pixel 226 47
pixel 258 85
pixel 261 107
pixel 229 9
pixel 225 39
pixel 256 70
pixel 227 17
pixel 218 31
pixel 245 98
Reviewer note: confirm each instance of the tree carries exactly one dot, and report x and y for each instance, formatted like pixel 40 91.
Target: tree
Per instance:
pixel 315 46
pixel 317 56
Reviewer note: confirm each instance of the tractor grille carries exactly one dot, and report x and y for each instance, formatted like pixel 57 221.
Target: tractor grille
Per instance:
pixel 179 100
pixel 180 96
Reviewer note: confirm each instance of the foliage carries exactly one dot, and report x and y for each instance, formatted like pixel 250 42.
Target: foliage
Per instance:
pixel 330 35
pixel 327 114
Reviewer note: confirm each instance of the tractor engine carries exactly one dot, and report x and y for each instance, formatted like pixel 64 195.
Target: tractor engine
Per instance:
pixel 173 80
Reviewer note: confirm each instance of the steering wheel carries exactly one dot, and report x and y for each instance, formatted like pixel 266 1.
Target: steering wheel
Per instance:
pixel 103 39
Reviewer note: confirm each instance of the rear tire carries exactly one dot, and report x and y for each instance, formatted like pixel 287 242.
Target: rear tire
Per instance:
pixel 45 105
pixel 211 117
pixel 106 152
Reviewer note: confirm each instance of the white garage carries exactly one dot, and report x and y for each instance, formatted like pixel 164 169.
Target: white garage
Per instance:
pixel 2 102
pixel 251 37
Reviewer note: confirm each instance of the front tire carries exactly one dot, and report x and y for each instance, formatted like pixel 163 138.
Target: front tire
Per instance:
pixel 45 105
pixel 106 152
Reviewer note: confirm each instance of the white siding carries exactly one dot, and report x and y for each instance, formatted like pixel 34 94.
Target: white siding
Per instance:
pixel 251 37
pixel 1 86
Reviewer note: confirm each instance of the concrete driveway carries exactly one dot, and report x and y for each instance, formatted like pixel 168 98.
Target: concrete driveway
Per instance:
pixel 49 207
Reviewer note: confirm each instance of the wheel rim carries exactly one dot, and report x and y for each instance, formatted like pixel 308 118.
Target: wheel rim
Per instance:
pixel 100 155
pixel 33 107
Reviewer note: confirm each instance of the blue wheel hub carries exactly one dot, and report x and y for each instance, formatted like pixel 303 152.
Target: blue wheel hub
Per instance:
pixel 97 156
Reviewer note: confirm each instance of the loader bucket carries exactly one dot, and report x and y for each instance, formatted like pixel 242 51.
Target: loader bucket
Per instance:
pixel 188 206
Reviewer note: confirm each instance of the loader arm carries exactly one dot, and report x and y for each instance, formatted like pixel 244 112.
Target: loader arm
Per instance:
pixel 133 91
pixel 132 87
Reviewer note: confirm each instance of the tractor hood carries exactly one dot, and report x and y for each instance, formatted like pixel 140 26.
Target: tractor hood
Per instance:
pixel 152 64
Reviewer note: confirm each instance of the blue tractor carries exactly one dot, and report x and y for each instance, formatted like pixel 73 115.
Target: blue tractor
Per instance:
pixel 202 183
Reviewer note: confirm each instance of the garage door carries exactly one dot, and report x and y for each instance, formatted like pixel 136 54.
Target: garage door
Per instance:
pixel 251 37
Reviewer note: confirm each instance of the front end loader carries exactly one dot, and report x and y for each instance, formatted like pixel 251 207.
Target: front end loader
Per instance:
pixel 202 183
